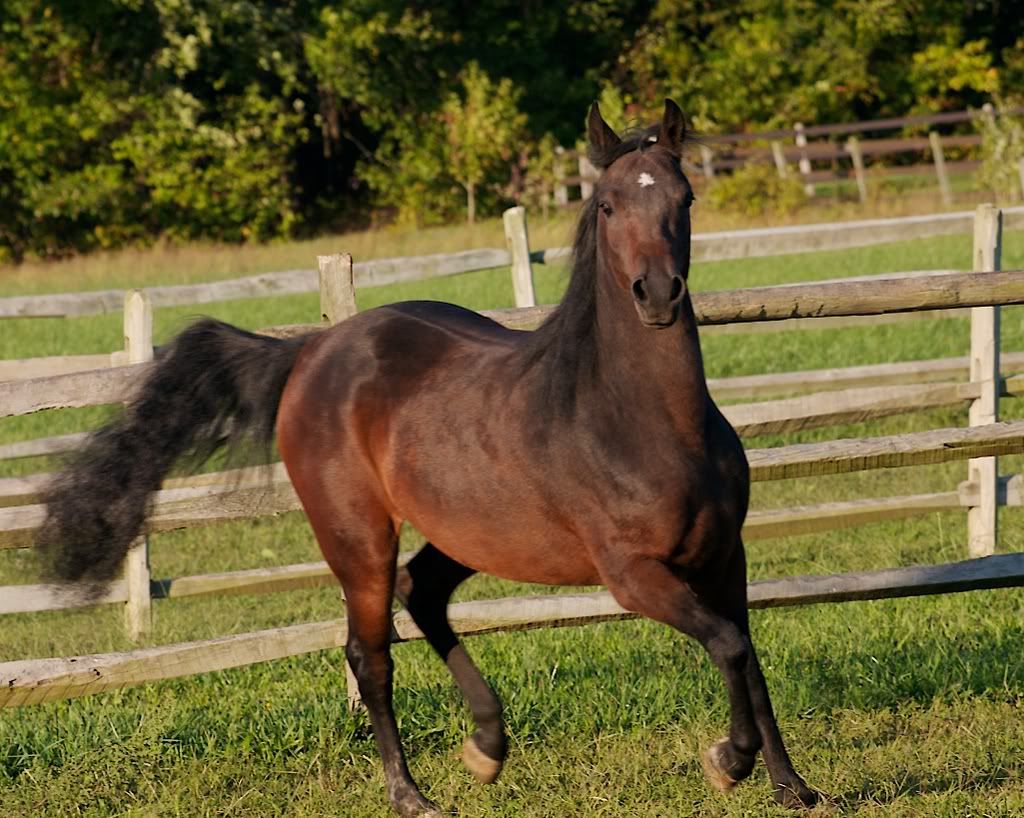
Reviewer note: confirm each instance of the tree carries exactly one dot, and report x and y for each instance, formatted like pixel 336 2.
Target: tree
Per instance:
pixel 483 126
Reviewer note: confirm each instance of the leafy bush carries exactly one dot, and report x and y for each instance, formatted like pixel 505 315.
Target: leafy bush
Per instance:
pixel 755 190
pixel 1002 149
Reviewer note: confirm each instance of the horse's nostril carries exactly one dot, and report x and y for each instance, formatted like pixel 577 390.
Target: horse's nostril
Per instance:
pixel 677 289
pixel 638 290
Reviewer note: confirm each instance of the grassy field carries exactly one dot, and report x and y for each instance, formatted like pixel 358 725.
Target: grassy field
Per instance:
pixel 898 708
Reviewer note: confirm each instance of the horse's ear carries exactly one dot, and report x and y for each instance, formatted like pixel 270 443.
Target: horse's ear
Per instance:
pixel 673 128
pixel 601 137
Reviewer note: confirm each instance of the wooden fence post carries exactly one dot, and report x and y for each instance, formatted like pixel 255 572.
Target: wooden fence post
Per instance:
pixel 587 175
pixel 804 163
pixel 707 162
pixel 940 167
pixel 518 242
pixel 138 344
pixel 780 159
pixel 338 302
pixel 561 190
pixel 853 148
pixel 337 288
pixel 982 530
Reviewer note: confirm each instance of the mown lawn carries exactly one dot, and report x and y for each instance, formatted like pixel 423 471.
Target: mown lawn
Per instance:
pixel 906 707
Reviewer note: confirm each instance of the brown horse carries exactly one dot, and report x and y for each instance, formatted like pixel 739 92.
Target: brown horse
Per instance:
pixel 587 452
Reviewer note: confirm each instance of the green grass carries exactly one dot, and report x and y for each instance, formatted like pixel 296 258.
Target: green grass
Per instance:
pixel 905 707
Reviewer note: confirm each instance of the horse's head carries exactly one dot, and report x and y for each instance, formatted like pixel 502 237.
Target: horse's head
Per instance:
pixel 643 213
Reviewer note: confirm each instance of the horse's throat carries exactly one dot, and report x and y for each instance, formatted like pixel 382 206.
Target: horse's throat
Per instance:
pixel 657 368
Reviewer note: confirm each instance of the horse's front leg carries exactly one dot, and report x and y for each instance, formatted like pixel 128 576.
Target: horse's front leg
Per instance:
pixel 727 594
pixel 652 589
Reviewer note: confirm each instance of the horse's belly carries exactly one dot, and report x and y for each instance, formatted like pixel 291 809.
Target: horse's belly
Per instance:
pixel 522 550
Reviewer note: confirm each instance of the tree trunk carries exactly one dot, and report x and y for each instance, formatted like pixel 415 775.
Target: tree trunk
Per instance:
pixel 471 202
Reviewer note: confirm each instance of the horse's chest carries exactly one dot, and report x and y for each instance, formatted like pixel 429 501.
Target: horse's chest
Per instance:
pixel 675 513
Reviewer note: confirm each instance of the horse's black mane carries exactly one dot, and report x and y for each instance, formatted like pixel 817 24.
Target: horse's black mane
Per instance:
pixel 563 350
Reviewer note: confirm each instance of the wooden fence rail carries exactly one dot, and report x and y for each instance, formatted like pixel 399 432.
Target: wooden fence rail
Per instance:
pixel 196 501
pixel 35 681
pixel 758 304
pixel 711 246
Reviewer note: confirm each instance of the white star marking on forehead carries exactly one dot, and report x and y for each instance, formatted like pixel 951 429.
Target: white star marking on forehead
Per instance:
pixel 645 180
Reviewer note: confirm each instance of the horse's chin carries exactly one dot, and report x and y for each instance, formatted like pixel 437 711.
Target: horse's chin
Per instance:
pixel 660 320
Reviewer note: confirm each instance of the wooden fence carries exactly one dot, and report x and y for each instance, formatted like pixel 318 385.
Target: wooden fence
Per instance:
pixel 210 499
pixel 793 152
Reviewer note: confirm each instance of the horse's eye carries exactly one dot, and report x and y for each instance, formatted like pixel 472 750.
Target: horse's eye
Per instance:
pixel 605 208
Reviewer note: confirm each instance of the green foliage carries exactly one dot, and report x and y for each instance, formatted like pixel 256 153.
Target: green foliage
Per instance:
pixel 1002 151
pixel 942 71
pixel 408 171
pixel 741 66
pixel 541 176
pixel 123 121
pixel 482 125
pixel 136 133
pixel 754 190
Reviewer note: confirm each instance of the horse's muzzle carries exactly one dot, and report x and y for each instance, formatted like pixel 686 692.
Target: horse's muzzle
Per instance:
pixel 657 299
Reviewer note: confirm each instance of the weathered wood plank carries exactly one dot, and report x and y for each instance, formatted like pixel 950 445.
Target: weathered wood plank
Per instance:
pixel 93 388
pixel 844 406
pixel 914 449
pixel 174 508
pixel 253 581
pixel 337 288
pixel 705 247
pixel 904 372
pixel 859 297
pixel 982 520
pixel 986 573
pixel 367 274
pixel 774 241
pixel 788 522
pixel 47 597
pixel 25 490
pixel 38 680
pixel 138 344
pixel 41 680
pixel 41 446
pixel 19 369
pixel 518 242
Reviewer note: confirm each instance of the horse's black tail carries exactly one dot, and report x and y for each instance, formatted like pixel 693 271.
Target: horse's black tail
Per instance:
pixel 214 385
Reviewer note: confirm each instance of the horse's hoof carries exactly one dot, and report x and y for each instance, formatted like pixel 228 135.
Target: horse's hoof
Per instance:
pixel 484 768
pixel 415 805
pixel 715 766
pixel 798 796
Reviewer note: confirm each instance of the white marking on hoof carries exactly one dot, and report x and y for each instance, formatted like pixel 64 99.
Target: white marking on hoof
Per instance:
pixel 645 179
pixel 484 768
pixel 713 771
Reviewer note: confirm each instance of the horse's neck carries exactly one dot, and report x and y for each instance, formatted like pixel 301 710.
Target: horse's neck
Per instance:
pixel 654 367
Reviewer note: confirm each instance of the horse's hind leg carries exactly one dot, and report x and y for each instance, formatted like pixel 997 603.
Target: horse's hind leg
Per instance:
pixel 362 549
pixel 424 586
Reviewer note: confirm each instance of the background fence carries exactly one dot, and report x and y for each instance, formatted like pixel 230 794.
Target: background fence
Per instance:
pixel 834 396
pixel 827 153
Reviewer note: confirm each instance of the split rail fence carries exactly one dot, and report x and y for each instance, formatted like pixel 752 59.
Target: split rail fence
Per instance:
pixel 855 393
pixel 794 152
